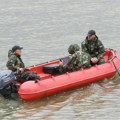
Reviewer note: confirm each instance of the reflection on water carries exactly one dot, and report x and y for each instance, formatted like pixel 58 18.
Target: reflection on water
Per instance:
pixel 45 28
pixel 96 101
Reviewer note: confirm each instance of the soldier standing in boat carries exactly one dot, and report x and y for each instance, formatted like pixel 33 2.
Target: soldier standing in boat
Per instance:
pixel 77 60
pixel 93 46
pixel 16 64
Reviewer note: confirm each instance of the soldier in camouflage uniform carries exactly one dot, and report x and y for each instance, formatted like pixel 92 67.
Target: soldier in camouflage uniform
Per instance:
pixel 77 60
pixel 93 46
pixel 16 64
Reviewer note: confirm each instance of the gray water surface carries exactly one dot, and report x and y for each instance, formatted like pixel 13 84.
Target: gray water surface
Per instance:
pixel 45 28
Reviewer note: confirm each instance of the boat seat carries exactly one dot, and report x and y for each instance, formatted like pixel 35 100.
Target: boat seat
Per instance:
pixel 51 69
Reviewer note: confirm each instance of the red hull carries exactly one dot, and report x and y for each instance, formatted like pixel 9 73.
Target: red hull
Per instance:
pixel 50 85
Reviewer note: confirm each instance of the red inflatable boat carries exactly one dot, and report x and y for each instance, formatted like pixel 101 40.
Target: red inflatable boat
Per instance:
pixel 52 82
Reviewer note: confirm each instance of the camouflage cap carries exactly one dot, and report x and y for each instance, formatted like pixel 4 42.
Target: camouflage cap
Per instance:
pixel 73 48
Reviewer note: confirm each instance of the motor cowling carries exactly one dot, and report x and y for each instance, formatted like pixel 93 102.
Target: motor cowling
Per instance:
pixel 7 78
pixel 7 81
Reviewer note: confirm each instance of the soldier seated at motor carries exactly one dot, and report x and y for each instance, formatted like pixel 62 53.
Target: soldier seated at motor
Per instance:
pixel 93 46
pixel 16 64
pixel 77 60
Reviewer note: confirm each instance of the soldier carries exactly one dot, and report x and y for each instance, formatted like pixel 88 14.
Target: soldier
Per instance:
pixel 77 60
pixel 16 64
pixel 93 46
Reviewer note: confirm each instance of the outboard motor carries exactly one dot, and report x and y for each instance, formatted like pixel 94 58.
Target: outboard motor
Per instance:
pixel 7 83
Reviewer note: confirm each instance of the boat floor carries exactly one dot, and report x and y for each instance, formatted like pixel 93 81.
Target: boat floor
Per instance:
pixel 39 68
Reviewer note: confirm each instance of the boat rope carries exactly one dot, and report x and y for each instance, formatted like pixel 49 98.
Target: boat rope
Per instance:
pixel 115 66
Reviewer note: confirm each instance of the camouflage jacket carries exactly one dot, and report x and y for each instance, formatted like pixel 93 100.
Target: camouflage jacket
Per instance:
pixel 95 48
pixel 77 61
pixel 14 61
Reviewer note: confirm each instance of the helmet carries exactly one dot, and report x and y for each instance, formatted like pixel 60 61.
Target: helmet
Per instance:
pixel 73 48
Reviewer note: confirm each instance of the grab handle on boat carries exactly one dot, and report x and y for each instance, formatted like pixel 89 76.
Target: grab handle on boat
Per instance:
pixel 36 81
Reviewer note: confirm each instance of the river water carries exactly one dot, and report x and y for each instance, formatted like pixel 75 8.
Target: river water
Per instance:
pixel 45 28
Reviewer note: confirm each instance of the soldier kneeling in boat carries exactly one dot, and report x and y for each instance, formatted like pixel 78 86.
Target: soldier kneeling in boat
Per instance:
pixel 77 60
pixel 16 64
pixel 93 46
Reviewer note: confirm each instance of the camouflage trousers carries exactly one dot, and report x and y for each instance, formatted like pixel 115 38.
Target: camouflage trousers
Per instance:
pixel 101 61
pixel 65 68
